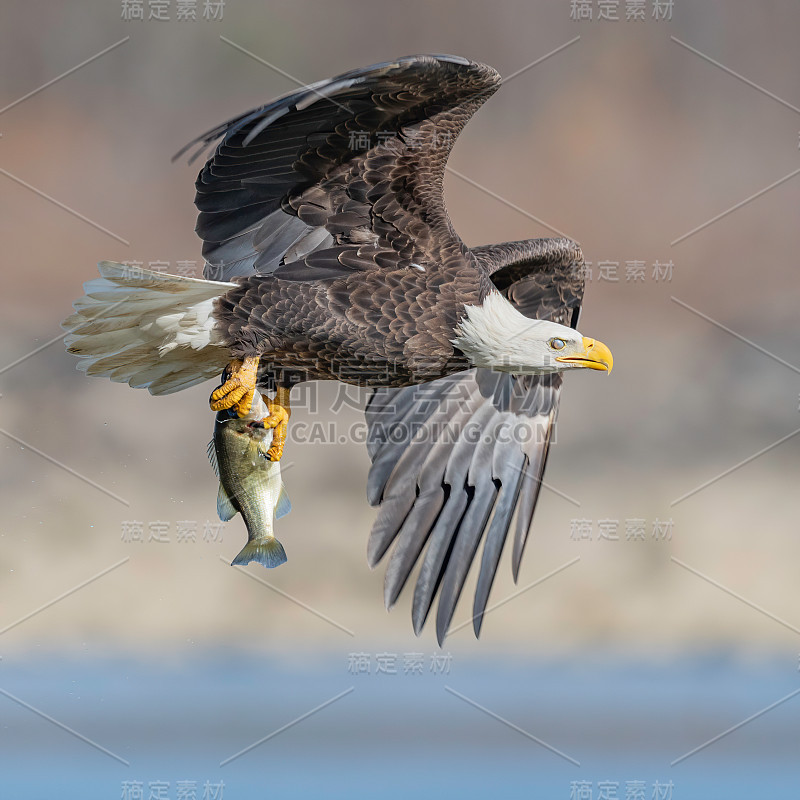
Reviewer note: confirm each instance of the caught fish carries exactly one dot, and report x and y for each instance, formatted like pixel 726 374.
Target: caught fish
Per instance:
pixel 249 482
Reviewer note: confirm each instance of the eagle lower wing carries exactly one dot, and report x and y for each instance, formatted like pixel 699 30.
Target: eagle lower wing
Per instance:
pixel 454 459
pixel 343 175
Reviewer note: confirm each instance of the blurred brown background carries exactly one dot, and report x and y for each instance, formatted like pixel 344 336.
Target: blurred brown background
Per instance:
pixel 624 140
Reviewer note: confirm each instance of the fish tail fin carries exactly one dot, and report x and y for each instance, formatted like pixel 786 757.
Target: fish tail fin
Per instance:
pixel 148 329
pixel 268 552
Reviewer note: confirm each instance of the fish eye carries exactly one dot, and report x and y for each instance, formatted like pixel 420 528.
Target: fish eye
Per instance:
pixel 557 344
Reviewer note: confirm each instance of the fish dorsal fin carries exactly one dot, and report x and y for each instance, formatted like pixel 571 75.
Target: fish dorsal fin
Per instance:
pixel 225 507
pixel 212 457
pixel 284 505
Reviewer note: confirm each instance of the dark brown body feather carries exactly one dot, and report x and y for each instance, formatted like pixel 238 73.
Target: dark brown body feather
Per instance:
pixel 369 329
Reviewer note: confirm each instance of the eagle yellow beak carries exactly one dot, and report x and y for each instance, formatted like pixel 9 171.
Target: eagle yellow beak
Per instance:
pixel 595 355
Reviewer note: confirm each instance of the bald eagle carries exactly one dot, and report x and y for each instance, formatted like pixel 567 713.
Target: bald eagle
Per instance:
pixel 330 255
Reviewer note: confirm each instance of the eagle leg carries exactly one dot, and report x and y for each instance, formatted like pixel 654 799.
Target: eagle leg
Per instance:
pixel 239 387
pixel 278 420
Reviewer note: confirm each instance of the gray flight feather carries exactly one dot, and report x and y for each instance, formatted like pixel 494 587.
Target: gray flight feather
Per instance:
pixel 449 493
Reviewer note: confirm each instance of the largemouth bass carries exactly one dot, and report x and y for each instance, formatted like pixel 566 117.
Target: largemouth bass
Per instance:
pixel 249 482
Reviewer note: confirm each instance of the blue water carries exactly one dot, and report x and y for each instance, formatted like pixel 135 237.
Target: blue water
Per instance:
pixel 395 735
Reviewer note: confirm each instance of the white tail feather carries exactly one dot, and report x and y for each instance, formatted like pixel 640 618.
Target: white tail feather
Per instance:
pixel 148 329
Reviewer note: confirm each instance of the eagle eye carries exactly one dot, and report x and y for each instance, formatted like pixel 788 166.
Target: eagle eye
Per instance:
pixel 557 344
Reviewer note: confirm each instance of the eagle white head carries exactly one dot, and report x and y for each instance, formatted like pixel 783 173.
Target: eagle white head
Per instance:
pixel 497 336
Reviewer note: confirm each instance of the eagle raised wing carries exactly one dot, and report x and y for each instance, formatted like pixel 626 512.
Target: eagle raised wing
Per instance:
pixel 454 459
pixel 344 174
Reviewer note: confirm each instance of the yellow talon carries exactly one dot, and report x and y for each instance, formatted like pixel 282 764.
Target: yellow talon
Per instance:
pixel 237 392
pixel 278 420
